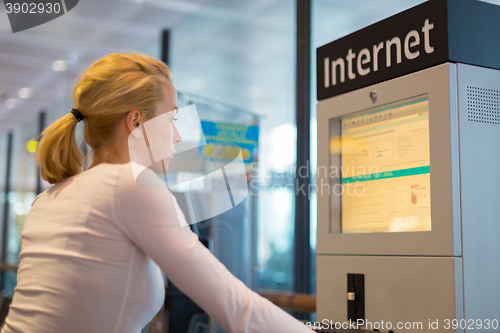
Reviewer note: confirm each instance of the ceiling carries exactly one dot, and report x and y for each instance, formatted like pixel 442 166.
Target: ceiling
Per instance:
pixel 90 30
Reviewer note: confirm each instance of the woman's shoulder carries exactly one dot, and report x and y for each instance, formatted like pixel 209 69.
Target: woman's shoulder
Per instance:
pixel 108 173
pixel 136 176
pixel 97 176
pixel 140 192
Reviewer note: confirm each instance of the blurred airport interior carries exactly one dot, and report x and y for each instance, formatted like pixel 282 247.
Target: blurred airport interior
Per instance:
pixel 236 61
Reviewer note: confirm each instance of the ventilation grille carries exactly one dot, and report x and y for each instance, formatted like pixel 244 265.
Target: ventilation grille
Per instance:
pixel 483 105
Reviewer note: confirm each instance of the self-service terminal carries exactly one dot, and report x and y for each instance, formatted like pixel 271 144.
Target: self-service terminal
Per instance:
pixel 408 172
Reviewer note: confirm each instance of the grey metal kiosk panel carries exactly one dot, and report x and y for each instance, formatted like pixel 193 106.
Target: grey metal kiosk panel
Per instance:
pixel 479 104
pixel 397 290
pixel 439 84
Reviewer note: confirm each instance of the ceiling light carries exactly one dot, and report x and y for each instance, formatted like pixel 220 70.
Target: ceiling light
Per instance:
pixel 11 103
pixel 25 93
pixel 139 1
pixel 59 65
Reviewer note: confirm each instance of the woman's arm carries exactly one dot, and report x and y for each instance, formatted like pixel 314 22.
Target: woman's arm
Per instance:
pixel 152 220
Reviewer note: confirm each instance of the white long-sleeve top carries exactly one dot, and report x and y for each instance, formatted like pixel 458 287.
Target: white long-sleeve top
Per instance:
pixel 91 252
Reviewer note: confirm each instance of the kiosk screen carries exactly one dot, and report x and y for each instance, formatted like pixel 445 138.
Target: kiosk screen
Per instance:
pixel 384 168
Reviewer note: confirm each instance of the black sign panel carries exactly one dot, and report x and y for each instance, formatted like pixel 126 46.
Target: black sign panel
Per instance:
pixel 411 40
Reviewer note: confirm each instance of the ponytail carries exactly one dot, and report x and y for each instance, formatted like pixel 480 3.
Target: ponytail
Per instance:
pixel 57 153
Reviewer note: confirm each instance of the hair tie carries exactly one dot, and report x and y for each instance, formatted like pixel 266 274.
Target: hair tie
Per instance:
pixel 78 115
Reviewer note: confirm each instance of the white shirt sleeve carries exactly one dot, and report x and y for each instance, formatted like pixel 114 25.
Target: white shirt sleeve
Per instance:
pixel 152 220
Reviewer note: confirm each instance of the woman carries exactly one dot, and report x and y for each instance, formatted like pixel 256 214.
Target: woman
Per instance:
pixel 93 244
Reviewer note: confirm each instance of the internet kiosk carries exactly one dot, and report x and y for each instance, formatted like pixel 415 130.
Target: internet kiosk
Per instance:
pixel 408 163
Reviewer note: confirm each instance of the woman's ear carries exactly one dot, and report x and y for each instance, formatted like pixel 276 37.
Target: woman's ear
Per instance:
pixel 133 120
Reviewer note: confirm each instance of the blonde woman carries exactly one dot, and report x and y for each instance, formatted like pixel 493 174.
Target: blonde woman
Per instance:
pixel 94 243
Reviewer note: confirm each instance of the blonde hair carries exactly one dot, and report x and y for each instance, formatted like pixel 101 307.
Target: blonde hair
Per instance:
pixel 104 94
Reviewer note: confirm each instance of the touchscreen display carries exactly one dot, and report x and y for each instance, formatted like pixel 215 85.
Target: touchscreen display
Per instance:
pixel 384 168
